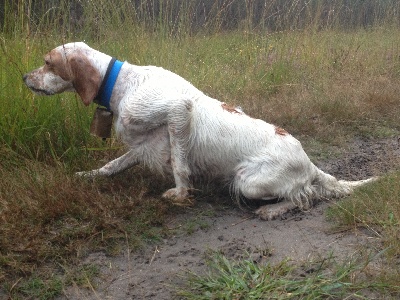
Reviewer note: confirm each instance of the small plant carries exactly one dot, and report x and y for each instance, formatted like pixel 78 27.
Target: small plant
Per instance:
pixel 83 276
pixel 195 224
pixel 37 288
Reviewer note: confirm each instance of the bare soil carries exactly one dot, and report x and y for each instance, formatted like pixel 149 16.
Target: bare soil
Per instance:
pixel 217 224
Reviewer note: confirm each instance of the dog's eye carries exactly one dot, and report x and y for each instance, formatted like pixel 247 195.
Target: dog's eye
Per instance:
pixel 47 62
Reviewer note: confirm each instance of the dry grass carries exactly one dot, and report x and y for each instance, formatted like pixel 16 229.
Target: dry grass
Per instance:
pixel 51 217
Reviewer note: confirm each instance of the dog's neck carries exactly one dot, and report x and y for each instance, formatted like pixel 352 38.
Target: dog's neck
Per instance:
pixel 104 95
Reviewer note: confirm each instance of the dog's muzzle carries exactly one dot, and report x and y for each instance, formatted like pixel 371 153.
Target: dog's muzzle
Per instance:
pixel 34 89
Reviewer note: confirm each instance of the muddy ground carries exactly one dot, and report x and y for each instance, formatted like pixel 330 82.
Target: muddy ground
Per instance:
pixel 219 225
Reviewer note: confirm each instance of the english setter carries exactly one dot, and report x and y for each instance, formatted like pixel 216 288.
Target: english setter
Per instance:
pixel 172 127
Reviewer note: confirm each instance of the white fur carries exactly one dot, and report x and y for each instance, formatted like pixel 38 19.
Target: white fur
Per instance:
pixel 172 127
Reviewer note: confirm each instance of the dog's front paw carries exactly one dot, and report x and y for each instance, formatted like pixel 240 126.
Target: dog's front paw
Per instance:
pixel 179 197
pixel 87 174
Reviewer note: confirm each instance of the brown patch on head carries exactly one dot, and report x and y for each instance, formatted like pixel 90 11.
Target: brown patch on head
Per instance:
pixel 55 63
pixel 76 68
pixel 230 108
pixel 280 131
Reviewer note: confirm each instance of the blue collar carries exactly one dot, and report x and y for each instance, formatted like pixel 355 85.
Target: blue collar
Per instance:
pixel 104 95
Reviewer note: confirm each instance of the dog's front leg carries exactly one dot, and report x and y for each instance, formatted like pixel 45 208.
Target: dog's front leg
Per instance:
pixel 179 119
pixel 114 167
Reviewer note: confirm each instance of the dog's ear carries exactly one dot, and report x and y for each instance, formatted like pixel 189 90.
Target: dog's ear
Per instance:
pixel 86 78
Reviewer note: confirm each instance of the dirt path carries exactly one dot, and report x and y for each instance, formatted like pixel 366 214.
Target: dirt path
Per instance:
pixel 211 225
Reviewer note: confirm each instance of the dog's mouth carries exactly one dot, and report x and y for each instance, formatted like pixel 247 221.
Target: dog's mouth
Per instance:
pixel 40 91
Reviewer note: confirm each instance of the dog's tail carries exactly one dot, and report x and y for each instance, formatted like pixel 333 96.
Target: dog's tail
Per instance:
pixel 326 186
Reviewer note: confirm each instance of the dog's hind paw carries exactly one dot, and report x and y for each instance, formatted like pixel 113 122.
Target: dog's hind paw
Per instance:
pixel 273 211
pixel 179 197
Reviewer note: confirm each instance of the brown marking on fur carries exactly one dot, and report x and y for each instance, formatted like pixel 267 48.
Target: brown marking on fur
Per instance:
pixel 76 68
pixel 55 63
pixel 86 79
pixel 230 109
pixel 280 131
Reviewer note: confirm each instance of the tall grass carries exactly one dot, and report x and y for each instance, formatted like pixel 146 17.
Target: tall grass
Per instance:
pixel 295 65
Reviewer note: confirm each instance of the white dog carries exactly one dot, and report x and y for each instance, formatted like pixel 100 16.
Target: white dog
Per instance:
pixel 172 127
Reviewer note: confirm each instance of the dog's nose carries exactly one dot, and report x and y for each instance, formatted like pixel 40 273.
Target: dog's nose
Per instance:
pixel 24 77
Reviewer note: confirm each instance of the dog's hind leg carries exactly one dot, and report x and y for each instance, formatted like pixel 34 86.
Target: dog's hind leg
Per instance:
pixel 256 182
pixel 264 182
pixel 114 167
pixel 260 191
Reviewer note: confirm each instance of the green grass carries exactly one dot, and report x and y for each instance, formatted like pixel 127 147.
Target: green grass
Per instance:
pixel 38 288
pixel 320 279
pixel 323 84
pixel 375 207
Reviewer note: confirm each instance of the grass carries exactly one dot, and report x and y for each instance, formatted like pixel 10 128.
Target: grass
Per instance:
pixel 375 207
pixel 38 288
pixel 50 217
pixel 320 279
pixel 324 84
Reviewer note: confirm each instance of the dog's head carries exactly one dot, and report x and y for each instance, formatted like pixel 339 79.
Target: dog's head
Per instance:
pixel 68 67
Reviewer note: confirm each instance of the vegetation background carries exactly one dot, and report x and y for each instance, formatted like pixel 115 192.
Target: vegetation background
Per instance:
pixel 326 70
